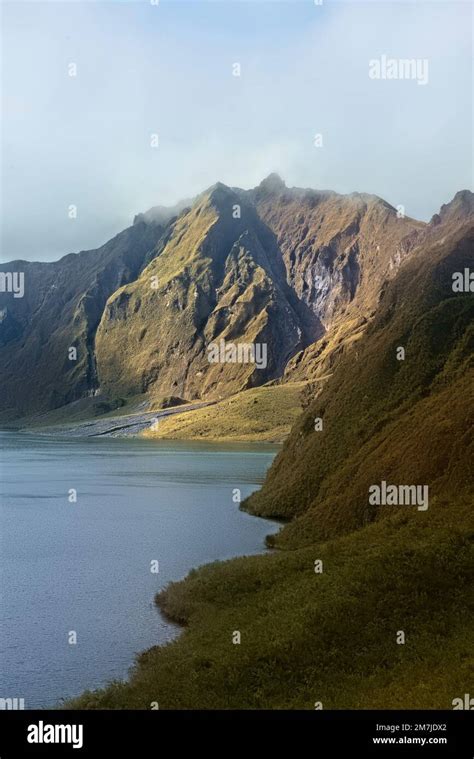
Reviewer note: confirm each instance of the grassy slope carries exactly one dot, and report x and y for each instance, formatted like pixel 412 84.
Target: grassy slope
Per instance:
pixel 431 443
pixel 383 418
pixel 262 414
pixel 327 637
pixel 331 637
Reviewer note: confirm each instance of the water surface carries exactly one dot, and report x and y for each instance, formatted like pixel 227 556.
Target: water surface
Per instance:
pixel 85 566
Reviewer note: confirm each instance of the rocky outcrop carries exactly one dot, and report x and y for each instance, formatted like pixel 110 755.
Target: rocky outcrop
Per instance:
pixel 339 252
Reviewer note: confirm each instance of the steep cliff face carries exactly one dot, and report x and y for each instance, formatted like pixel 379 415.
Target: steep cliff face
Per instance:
pixel 339 251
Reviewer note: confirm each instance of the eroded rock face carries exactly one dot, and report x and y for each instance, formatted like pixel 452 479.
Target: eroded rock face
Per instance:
pixel 339 253
pixel 337 249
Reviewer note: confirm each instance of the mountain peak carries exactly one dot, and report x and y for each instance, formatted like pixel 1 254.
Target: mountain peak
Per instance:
pixel 162 214
pixel 219 195
pixel 460 207
pixel 273 183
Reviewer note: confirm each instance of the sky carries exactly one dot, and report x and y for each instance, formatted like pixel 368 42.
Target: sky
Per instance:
pixel 167 69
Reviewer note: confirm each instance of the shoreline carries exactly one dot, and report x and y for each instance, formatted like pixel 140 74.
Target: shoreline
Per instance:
pixel 161 597
pixel 124 425
pixel 264 414
pixel 207 558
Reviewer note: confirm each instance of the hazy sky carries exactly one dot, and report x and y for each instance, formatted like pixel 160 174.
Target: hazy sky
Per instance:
pixel 167 69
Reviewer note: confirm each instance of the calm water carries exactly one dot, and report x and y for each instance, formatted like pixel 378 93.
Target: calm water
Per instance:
pixel 85 566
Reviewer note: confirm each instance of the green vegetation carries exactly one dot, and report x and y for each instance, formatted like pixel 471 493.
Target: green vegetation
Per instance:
pixel 265 413
pixel 328 637
pixel 407 421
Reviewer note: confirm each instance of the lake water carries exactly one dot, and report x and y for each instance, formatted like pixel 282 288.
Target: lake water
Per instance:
pixel 86 566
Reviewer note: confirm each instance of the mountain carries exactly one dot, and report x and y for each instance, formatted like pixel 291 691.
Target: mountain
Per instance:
pixel 339 252
pixel 62 306
pixel 298 271
pixel 363 606
pixel 219 277
pixel 409 420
